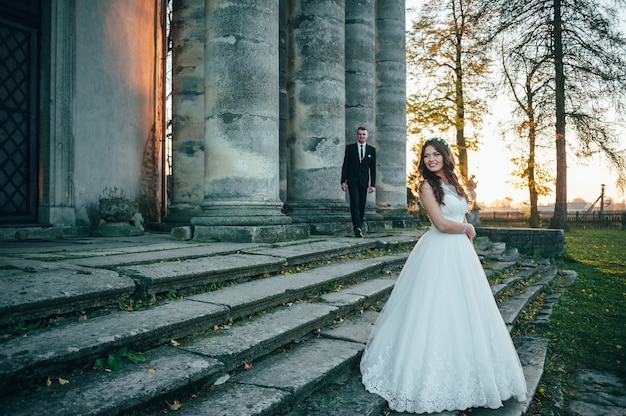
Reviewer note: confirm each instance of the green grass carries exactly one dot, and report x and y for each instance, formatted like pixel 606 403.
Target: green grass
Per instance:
pixel 587 328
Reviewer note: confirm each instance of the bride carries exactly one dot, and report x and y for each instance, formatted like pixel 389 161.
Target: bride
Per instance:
pixel 440 342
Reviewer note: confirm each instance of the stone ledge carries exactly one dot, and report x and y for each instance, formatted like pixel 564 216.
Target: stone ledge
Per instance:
pixel 543 242
pixel 252 233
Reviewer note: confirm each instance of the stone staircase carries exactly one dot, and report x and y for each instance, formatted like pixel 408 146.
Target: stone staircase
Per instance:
pixel 222 328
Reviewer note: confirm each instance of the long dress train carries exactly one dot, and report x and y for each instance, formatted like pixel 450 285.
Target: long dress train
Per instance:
pixel 440 342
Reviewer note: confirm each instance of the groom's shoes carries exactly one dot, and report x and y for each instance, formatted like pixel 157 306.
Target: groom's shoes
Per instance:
pixel 358 233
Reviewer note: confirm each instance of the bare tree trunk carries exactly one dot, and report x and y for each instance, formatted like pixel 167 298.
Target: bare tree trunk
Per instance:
pixel 532 187
pixel 559 219
pixel 460 116
pixel 532 137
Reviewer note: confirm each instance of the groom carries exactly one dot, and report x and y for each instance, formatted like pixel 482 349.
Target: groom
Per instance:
pixel 357 174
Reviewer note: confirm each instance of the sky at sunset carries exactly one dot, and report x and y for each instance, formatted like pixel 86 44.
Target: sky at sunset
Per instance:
pixel 492 163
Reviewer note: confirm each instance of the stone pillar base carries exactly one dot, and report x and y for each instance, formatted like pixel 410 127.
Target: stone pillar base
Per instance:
pixel 324 218
pixel 179 216
pixel 318 211
pixel 246 222
pixel 332 218
pixel 251 233
pixel 240 213
pixel 399 218
pixel 117 229
pixel 331 228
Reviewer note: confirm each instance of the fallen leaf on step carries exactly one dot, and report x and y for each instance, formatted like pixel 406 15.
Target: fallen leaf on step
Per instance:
pixel 48 382
pixel 151 370
pixel 175 405
pixel 63 381
pixel 82 318
pixel 248 366
pixel 174 343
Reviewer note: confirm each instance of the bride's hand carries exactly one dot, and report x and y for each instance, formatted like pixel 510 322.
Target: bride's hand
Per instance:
pixel 470 231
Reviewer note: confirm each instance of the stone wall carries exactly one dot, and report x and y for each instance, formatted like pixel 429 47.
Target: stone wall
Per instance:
pixel 531 241
pixel 115 107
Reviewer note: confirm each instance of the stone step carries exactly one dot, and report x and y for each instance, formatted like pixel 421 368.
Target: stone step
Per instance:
pixel 346 396
pixel 75 276
pixel 221 353
pixel 167 372
pixel 282 319
pixel 522 273
pixel 352 329
pixel 512 308
pixel 79 343
pixel 295 376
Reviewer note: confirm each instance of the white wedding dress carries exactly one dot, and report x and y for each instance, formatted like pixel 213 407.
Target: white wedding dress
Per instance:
pixel 440 342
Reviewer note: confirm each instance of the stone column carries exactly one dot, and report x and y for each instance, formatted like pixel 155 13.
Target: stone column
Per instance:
pixel 241 96
pixel 283 100
pixel 187 180
pixel 316 90
pixel 360 68
pixel 360 31
pixel 58 70
pixel 391 110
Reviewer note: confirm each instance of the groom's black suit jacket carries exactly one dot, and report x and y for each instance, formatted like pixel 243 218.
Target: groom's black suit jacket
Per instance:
pixel 354 171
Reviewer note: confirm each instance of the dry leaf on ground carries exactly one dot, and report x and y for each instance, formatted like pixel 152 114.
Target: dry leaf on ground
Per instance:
pixel 174 405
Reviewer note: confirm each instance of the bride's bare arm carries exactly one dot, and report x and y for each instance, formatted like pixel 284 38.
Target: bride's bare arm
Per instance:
pixel 433 209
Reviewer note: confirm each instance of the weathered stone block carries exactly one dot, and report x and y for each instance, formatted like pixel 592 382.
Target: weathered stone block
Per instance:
pixel 530 241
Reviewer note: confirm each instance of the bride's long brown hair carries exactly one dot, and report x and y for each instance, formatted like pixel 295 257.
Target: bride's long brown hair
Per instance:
pixel 449 170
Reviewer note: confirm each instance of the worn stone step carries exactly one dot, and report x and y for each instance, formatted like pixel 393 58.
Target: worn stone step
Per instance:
pixel 166 374
pixel 77 344
pixel 259 336
pixel 344 395
pixel 295 370
pixel 256 337
pixel 274 385
pixel 40 293
pixel 76 276
pixel 196 314
pixel 258 295
pixel 512 308
pixel 195 274
pixel 27 360
pixel 229 348
pixel 522 274
pixel 355 329
pixel 155 253
pixel 320 251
